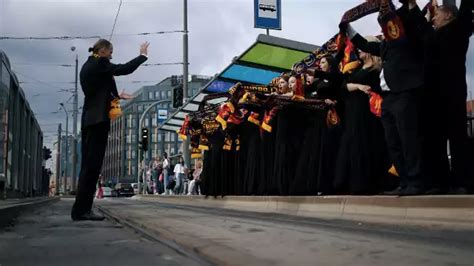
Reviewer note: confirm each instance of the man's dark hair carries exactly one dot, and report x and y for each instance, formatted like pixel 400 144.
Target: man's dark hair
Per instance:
pixel 101 43
pixel 451 9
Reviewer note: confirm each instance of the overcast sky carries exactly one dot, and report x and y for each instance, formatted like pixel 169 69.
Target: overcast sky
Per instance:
pixel 218 31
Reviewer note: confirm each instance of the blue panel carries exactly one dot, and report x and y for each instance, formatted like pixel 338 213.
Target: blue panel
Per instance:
pixel 219 86
pixel 250 74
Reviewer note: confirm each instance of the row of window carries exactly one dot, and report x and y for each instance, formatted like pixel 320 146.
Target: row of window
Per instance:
pixel 163 95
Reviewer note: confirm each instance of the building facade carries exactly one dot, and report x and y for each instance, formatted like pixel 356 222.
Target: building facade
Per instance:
pixel 21 140
pixel 65 163
pixel 122 154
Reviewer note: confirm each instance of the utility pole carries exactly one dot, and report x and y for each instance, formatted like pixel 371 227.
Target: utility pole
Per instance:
pixel 66 156
pixel 58 159
pixel 74 129
pixel 186 153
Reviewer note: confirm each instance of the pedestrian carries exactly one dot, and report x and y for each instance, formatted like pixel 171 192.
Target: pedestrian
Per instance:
pixel 179 172
pixel 166 168
pixel 195 184
pixel 100 91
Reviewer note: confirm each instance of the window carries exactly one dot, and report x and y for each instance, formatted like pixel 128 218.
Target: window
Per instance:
pixel 140 108
pixel 154 119
pixel 162 94
pixel 134 122
pixel 160 137
pixel 172 136
pixel 169 93
pixel 157 95
pixel 150 95
pixel 147 122
pixel 172 150
pixel 5 78
pixel 134 154
pixel 167 136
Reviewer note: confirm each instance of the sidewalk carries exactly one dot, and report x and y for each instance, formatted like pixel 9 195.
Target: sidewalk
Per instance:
pixel 12 208
pixel 441 211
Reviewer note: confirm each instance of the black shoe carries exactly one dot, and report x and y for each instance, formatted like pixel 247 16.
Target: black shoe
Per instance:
pixel 458 191
pixel 436 191
pixel 395 192
pixel 88 216
pixel 411 191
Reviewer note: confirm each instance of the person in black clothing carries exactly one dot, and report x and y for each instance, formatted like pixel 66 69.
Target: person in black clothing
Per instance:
pixel 316 162
pixel 402 81
pixel 98 84
pixel 362 159
pixel 446 42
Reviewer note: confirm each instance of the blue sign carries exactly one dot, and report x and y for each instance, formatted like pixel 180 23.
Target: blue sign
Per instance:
pixel 267 14
pixel 219 86
pixel 162 115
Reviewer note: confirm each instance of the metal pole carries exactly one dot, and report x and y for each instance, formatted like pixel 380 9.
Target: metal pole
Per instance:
pixel 140 125
pixel 58 159
pixel 74 132
pixel 186 153
pixel 67 154
pixel 268 32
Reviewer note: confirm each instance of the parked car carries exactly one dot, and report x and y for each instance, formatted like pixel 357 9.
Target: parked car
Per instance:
pixel 109 192
pixel 124 189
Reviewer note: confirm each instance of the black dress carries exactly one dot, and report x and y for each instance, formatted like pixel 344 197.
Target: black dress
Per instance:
pixel 362 159
pixel 315 167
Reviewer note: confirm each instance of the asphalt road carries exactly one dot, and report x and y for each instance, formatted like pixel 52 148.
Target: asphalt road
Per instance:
pixel 47 236
pixel 229 237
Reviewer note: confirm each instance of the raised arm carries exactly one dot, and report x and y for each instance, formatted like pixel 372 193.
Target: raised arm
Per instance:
pixel 361 43
pixel 465 15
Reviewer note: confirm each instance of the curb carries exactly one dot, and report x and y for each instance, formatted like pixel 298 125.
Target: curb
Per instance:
pixel 443 211
pixel 9 212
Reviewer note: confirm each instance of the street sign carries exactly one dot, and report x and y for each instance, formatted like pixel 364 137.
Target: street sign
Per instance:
pixel 267 14
pixel 162 115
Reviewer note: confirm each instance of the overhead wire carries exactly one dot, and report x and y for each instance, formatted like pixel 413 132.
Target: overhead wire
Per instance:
pixel 67 38
pixel 115 21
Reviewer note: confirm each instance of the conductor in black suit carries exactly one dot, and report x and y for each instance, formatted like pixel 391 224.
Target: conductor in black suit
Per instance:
pixel 401 82
pixel 98 84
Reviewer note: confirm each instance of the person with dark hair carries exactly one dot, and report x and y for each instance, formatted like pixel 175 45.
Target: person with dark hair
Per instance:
pixel 315 164
pixel 401 83
pixel 446 39
pixel 98 84
pixel 179 175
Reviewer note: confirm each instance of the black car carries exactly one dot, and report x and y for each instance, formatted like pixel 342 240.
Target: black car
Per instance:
pixel 124 189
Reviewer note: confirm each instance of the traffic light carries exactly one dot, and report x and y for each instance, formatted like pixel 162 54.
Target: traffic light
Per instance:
pixel 177 96
pixel 144 141
pixel 46 153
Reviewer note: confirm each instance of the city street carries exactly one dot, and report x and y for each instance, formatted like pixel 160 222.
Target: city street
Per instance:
pixel 49 237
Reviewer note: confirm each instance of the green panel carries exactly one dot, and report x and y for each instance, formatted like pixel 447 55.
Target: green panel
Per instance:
pixel 274 56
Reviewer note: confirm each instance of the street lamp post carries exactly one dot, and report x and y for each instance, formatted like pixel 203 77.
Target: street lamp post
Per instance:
pixel 66 156
pixel 74 128
pixel 186 152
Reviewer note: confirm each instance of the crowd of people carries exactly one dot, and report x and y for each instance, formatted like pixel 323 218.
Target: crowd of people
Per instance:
pixel 164 178
pixel 397 100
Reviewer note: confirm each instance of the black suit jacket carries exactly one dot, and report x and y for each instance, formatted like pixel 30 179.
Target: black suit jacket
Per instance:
pixel 98 84
pixel 402 63
pixel 445 54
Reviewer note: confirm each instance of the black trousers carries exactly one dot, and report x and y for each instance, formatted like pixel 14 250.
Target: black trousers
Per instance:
pixel 94 143
pixel 400 119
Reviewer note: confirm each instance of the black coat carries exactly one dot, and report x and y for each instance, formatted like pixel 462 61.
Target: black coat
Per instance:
pixel 445 54
pixel 98 84
pixel 402 63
